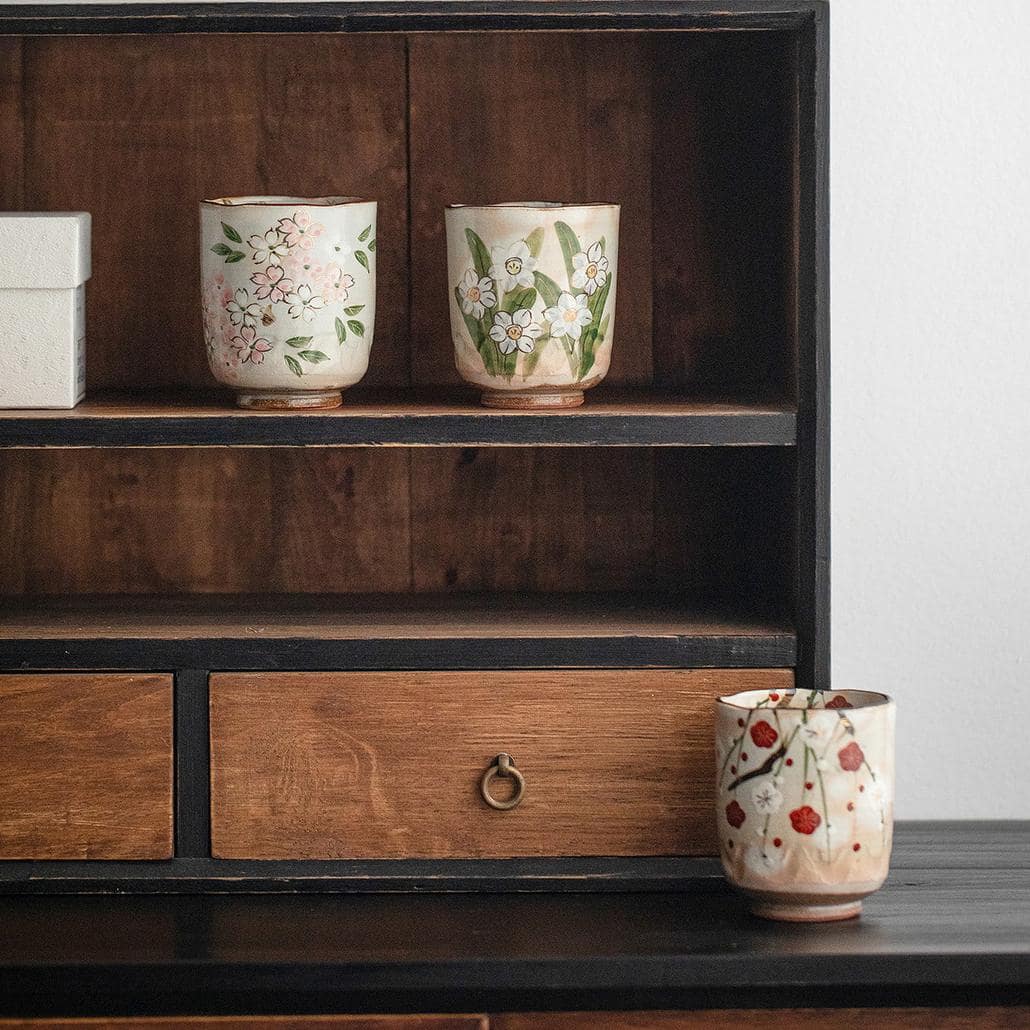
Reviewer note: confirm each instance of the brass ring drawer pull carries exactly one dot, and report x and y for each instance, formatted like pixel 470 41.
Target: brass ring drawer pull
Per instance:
pixel 504 765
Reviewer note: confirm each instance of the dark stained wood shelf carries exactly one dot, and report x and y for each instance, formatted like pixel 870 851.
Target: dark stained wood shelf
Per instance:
pixel 929 937
pixel 454 631
pixel 446 417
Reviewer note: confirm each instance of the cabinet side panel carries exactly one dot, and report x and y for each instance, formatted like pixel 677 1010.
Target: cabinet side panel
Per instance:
pixel 12 125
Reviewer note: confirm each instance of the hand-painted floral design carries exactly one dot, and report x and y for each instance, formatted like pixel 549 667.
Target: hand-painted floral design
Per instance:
pixel 840 701
pixel 766 797
pixel 513 311
pixel 851 757
pixel 568 316
pixel 512 266
pixel 515 330
pixel 300 230
pixel 805 819
pixel 272 284
pixel 591 270
pixel 763 734
pixel 764 861
pixel 296 278
pixel 477 294
pixel 250 347
pixel 305 303
pixel 242 310
pixel 735 815
pixel 268 249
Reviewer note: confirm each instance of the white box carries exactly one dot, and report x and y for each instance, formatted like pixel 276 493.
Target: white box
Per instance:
pixel 44 263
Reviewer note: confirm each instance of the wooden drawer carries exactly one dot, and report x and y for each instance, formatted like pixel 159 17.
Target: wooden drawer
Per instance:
pixel 255 1023
pixel 387 765
pixel 85 766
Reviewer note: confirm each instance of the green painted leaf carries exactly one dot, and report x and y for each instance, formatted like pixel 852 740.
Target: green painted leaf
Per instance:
pixel 602 332
pixel 221 249
pixel 480 339
pixel 597 300
pixel 362 259
pixel 529 365
pixel 356 327
pixel 535 240
pixel 569 246
pixel 480 255
pixel 298 341
pixel 316 357
pixel 363 235
pixel 341 332
pixel 354 309
pixel 602 243
pixel 236 255
pixel 588 344
pixel 519 298
pixel 372 245
pixel 549 289
pixel 231 233
pixel 293 364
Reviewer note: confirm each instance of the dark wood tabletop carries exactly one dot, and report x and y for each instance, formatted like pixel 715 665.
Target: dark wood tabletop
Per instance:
pixel 952 924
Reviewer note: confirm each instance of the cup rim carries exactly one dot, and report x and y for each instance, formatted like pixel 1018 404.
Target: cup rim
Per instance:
pixel 257 200
pixel 530 205
pixel 857 698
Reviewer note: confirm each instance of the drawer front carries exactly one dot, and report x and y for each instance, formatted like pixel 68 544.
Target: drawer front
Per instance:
pixel 85 766
pixel 388 765
pixel 255 1023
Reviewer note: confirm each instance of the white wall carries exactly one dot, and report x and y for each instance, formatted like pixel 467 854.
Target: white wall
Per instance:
pixel 931 389
pixel 930 306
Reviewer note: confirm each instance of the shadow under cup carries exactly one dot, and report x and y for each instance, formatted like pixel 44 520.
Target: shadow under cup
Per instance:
pixel 805 799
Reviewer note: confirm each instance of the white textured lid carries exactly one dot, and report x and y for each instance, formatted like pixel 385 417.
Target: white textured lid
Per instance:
pixel 44 249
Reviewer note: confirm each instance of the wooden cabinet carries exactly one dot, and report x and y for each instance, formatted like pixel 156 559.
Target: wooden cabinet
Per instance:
pixel 388 765
pixel 85 766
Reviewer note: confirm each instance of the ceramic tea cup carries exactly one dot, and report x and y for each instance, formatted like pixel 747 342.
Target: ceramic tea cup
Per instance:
pixel 805 799
pixel 288 289
pixel 532 299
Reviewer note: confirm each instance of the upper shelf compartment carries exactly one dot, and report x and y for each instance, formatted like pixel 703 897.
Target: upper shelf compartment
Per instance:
pixel 695 134
pixel 445 418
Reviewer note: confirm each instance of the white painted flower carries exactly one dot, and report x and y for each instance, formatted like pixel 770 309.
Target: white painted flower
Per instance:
pixel 477 294
pixel 241 310
pixel 304 303
pixel 268 249
pixel 765 797
pixel 515 330
pixel 568 316
pixel 512 266
pixel 764 862
pixel 590 270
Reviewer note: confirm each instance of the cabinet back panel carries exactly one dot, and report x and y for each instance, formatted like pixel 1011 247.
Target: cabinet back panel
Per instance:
pixel 386 520
pixel 691 133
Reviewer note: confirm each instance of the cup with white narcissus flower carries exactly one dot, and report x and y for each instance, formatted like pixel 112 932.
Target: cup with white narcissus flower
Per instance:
pixel 805 799
pixel 532 299
pixel 288 296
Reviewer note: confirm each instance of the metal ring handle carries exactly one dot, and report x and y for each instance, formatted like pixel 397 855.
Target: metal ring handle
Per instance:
pixel 504 765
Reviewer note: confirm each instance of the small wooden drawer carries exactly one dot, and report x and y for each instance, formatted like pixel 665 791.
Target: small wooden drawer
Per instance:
pixel 388 765
pixel 85 766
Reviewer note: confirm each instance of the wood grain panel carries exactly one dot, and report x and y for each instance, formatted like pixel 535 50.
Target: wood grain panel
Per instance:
pixel 412 1022
pixel 972 1018
pixel 138 129
pixel 531 519
pixel 723 195
pixel 11 124
pixel 85 766
pixel 192 520
pixel 387 765
pixel 507 116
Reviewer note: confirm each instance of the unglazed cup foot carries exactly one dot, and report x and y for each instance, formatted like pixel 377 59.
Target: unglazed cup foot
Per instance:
pixel 297 400
pixel 531 401
pixel 791 912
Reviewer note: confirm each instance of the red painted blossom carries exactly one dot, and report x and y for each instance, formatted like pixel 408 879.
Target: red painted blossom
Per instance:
pixel 774 697
pixel 805 819
pixel 777 842
pixel 735 815
pixel 840 701
pixel 763 734
pixel 851 757
pixel 856 846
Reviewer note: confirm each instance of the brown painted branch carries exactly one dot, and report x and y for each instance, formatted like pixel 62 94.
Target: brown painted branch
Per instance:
pixel 763 768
